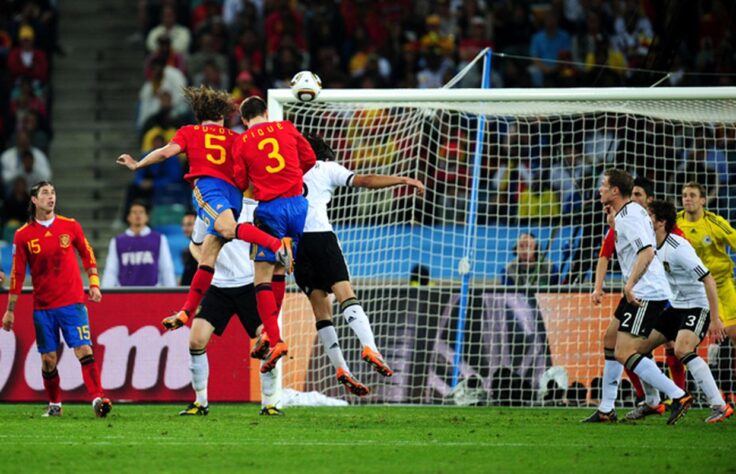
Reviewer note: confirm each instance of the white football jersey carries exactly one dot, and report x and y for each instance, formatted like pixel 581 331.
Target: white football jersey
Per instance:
pixel 233 267
pixel 320 183
pixel 685 272
pixel 634 232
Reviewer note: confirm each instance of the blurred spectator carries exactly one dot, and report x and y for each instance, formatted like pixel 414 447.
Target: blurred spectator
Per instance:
pixel 204 13
pixel 605 55
pixel 248 54
pixel 419 276
pixel 470 47
pixel 16 162
pixel 539 200
pixel 164 122
pixel 163 78
pixel 212 77
pixel 601 144
pixel 26 98
pixel 164 53
pixel 529 268
pixel 26 61
pixel 205 54
pixel 244 87
pixel 572 177
pixel 189 264
pixel 435 39
pixel 284 25
pixel 548 45
pixel 634 33
pixel 433 75
pixel 697 169
pixel 15 207
pixel 179 35
pixel 159 179
pixel 139 256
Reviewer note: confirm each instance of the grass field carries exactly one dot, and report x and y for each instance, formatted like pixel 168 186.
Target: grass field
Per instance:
pixel 233 438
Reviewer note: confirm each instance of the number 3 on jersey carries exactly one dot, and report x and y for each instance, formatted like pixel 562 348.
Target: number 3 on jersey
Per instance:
pixel 208 144
pixel 273 154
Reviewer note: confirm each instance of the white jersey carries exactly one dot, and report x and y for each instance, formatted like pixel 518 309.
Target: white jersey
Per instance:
pixel 233 267
pixel 685 272
pixel 634 233
pixel 320 183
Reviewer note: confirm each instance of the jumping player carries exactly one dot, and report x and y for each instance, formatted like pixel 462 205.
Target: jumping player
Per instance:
pixel 218 180
pixel 321 267
pixel 275 155
pixel 231 294
pixel 47 243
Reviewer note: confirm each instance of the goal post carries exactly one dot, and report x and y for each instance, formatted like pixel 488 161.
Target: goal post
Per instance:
pixel 532 336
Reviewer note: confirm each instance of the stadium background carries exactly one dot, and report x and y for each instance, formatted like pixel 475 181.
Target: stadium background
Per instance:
pixel 106 91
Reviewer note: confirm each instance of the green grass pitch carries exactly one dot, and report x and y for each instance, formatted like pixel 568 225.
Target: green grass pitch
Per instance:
pixel 384 439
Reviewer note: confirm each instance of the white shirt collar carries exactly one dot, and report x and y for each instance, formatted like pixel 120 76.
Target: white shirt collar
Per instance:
pixel 47 222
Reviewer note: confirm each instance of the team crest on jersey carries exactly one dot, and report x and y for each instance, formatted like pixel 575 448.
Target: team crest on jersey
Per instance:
pixel 707 240
pixel 65 240
pixel 666 266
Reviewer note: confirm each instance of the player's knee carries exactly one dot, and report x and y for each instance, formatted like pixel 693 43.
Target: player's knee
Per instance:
pixel 198 342
pixel 48 361
pixel 682 349
pixel 622 354
pixel 82 351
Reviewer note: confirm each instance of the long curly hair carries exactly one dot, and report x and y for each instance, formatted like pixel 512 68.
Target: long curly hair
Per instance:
pixel 209 104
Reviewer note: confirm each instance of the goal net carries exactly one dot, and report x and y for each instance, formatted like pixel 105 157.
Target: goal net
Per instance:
pixel 479 291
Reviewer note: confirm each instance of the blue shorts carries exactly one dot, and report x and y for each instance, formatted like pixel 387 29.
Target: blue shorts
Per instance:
pixel 73 322
pixel 212 196
pixel 281 217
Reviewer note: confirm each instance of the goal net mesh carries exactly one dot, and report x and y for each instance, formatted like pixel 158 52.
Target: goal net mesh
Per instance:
pixel 531 334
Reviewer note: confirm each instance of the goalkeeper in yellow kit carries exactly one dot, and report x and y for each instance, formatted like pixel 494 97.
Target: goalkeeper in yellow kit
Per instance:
pixel 711 235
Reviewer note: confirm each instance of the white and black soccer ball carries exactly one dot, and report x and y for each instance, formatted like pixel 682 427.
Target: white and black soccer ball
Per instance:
pixel 306 85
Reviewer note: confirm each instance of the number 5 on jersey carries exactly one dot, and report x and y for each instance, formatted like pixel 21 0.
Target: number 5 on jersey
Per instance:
pixel 273 154
pixel 208 144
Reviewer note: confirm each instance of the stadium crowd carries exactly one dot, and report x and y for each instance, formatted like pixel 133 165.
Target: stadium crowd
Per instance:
pixel 28 42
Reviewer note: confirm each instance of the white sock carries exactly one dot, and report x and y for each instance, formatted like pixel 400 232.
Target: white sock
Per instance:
pixel 359 323
pixel 612 372
pixel 269 395
pixel 200 368
pixel 328 336
pixel 704 377
pixel 648 372
pixel 59 404
pixel 651 395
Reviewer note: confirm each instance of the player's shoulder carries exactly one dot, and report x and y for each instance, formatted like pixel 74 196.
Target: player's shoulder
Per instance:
pixel 718 221
pixel 676 241
pixel 681 215
pixel 23 230
pixel 65 219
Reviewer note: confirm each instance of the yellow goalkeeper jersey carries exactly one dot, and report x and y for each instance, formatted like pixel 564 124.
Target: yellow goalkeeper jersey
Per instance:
pixel 710 236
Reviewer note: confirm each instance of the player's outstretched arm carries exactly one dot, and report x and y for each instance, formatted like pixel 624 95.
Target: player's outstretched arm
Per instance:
pixel 600 275
pixel 376 181
pixel 715 330
pixel 156 156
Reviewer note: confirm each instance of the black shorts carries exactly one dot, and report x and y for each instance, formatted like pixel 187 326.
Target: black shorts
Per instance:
pixel 639 320
pixel 675 320
pixel 220 304
pixel 319 262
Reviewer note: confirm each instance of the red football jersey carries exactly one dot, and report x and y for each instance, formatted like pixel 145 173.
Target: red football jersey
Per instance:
pixel 609 242
pixel 208 150
pixel 275 155
pixel 54 269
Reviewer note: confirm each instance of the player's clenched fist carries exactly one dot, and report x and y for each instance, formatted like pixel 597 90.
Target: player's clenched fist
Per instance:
pixel 8 320
pixel 127 161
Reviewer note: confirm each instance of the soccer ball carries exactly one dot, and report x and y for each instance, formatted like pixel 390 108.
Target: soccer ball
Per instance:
pixel 306 85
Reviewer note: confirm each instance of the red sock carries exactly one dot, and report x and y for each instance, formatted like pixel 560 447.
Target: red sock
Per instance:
pixel 268 311
pixel 200 283
pixel 91 376
pixel 278 284
pixel 51 384
pixel 636 383
pixel 254 235
pixel 677 370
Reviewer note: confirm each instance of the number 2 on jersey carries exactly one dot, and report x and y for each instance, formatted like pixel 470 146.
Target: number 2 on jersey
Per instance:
pixel 215 147
pixel 274 154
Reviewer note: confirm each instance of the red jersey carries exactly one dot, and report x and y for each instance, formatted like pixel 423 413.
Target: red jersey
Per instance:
pixel 276 156
pixel 208 150
pixel 609 242
pixel 54 269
